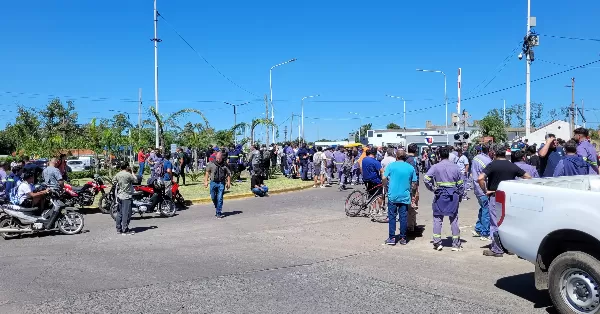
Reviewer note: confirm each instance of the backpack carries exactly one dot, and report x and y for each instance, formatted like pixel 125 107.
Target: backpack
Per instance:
pixel 159 169
pixel 13 196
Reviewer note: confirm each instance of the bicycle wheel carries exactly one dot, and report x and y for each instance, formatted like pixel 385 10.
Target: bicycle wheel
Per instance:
pixel 355 203
pixel 378 209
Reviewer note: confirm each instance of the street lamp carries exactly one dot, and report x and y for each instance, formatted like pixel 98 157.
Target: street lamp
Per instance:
pixel 235 118
pixel 360 119
pixel 302 105
pixel 445 98
pixel 404 100
pixel 271 90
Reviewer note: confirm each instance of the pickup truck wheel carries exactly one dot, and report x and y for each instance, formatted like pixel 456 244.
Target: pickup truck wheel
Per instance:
pixel 574 283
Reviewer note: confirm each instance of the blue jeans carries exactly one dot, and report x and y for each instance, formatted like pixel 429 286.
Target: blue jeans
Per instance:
pixel 262 191
pixel 395 210
pixel 216 194
pixel 483 218
pixel 141 170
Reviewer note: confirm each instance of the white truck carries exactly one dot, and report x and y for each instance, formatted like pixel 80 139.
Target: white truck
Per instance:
pixel 554 223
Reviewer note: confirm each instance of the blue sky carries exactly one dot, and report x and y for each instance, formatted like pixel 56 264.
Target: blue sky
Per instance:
pixel 351 53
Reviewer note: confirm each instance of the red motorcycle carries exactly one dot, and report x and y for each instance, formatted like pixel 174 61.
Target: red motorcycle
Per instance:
pixel 85 195
pixel 148 192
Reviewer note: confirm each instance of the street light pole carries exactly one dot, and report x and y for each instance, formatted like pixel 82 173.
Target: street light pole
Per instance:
pixel 235 118
pixel 445 99
pixel 302 105
pixel 271 90
pixel 156 40
pixel 360 127
pixel 404 110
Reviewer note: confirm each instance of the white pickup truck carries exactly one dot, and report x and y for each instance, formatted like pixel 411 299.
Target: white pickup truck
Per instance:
pixel 555 224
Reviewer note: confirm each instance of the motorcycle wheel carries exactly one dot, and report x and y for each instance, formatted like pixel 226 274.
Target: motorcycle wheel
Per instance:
pixel 70 223
pixel 6 222
pixel 114 210
pixel 104 204
pixel 167 208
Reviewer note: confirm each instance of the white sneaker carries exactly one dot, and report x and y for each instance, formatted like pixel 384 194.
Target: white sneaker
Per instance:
pixel 475 233
pixel 485 238
pixel 457 249
pixel 314 186
pixel 322 186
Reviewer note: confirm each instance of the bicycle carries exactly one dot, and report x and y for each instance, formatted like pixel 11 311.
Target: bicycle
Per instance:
pixel 360 203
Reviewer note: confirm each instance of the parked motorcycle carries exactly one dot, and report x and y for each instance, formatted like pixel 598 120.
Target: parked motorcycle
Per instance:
pixel 145 202
pixel 148 191
pixel 16 220
pixel 84 196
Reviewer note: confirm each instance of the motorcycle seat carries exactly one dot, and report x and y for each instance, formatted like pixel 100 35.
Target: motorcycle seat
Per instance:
pixel 22 209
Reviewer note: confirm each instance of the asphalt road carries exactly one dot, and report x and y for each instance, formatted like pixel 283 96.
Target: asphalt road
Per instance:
pixel 289 253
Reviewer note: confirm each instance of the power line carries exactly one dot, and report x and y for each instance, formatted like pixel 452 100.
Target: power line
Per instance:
pixel 466 99
pixel 499 69
pixel 206 61
pixel 571 38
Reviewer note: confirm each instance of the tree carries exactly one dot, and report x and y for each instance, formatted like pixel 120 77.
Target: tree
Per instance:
pixel 257 122
pixel 363 131
pixel 171 121
pixel 492 125
pixel 393 126
pixel 517 112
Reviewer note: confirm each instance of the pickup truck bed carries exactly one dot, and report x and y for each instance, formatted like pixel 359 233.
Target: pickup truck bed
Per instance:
pixel 555 223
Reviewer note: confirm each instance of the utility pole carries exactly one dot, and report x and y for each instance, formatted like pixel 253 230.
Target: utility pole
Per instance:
pixel 285 132
pixel 139 114
pixel 572 123
pixel 528 77
pixel 504 112
pixel 291 127
pixel 267 117
pixel 531 40
pixel 582 113
pixel 234 124
pixel 156 40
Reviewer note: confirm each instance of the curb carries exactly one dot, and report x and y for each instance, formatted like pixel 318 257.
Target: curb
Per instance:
pixel 206 200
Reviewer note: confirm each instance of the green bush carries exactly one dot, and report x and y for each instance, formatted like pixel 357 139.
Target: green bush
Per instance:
pixel 87 174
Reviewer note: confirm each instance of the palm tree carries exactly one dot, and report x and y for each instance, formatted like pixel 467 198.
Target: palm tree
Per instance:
pixel 171 121
pixel 256 122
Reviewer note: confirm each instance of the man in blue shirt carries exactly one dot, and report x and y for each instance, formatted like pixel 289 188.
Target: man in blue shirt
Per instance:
pixel 371 171
pixel 401 179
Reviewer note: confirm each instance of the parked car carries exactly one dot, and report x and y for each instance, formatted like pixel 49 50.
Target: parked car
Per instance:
pixel 76 165
pixel 553 223
pixel 42 163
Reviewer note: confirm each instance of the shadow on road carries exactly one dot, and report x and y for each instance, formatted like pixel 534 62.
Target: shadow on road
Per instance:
pixel 142 229
pixel 232 213
pixel 523 286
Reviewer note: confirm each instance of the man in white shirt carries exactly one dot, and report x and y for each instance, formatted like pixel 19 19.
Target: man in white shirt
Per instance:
pixel 28 198
pixel 389 158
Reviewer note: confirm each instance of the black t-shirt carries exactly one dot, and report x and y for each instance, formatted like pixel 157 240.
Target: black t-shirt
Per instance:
pixel 256 180
pixel 500 170
pixel 535 161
